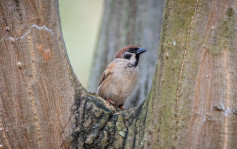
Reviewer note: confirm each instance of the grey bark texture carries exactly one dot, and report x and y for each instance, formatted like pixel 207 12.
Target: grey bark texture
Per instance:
pixel 127 22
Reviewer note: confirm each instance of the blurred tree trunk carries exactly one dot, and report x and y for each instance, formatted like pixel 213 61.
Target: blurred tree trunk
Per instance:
pixel 134 22
pixel 192 102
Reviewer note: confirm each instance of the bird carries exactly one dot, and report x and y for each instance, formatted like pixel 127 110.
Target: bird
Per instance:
pixel 120 76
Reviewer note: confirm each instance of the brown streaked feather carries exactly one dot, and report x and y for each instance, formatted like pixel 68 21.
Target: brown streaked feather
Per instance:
pixel 106 73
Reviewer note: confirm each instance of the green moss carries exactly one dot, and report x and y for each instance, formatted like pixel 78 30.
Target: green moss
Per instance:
pixel 105 139
pixel 230 12
pixel 120 123
pixel 175 28
pixel 224 34
pixel 181 17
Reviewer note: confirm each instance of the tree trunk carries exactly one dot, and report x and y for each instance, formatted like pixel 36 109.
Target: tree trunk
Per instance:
pixel 134 22
pixel 36 80
pixel 192 102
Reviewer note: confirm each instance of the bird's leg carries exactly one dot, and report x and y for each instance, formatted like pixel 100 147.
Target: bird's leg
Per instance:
pixel 121 107
pixel 111 101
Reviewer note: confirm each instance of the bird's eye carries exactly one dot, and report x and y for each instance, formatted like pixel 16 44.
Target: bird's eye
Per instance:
pixel 127 56
pixel 133 50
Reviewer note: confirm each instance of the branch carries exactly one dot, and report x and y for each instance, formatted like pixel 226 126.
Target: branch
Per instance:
pixel 97 124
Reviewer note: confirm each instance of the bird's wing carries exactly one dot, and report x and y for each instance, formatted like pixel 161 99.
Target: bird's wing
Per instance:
pixel 108 71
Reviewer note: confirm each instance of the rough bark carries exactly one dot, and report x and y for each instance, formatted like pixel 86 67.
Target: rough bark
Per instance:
pixel 193 99
pixel 192 102
pixel 36 82
pixel 129 22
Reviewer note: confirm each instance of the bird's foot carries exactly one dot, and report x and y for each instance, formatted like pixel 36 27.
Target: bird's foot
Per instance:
pixel 121 107
pixel 111 101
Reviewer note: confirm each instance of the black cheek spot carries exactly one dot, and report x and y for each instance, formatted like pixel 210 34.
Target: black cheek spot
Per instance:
pixel 127 56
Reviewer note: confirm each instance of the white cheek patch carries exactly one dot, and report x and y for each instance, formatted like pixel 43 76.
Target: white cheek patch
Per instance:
pixel 133 58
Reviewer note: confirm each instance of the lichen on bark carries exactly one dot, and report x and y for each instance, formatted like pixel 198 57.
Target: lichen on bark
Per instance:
pixel 97 124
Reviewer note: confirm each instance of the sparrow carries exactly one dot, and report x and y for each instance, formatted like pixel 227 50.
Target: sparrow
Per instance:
pixel 120 77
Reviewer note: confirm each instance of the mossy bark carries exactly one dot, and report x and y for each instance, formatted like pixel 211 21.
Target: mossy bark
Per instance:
pixel 192 102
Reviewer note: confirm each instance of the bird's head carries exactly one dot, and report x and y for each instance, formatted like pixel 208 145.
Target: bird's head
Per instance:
pixel 131 53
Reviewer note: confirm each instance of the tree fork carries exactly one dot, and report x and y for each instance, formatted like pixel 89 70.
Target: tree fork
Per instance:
pixel 97 124
pixel 43 105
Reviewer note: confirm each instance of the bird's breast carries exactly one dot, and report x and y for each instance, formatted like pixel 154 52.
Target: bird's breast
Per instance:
pixel 120 83
pixel 123 82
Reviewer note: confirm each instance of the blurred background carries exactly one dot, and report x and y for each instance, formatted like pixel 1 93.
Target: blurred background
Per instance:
pixel 81 21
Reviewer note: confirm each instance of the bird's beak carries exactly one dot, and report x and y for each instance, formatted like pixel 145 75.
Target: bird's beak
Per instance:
pixel 141 50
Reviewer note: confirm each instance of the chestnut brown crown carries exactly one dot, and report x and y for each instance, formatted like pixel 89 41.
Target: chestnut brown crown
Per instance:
pixel 120 53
